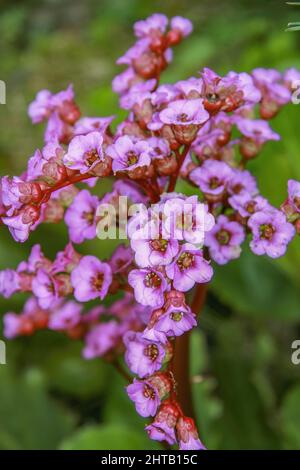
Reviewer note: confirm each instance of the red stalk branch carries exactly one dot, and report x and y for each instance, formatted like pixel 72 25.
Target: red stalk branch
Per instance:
pixel 182 357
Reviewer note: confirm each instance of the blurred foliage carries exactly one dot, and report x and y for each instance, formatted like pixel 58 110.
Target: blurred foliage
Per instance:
pixel 246 389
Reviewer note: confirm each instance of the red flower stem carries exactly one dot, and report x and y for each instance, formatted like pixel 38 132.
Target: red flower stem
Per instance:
pixel 180 161
pixel 182 358
pixel 64 184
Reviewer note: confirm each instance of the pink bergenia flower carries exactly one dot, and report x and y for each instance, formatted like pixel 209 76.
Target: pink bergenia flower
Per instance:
pixel 158 252
pixel 257 130
pixel 175 321
pixel 142 357
pixel 16 192
pixel 65 260
pixel 52 152
pixel 45 289
pixel 224 240
pixel 86 125
pixel 145 397
pixel 212 177
pixel 80 217
pixel 267 80
pixel 91 279
pixel 188 268
pixel 271 233
pixel 9 282
pixel 181 24
pixel 155 22
pixel 84 152
pixel 184 113
pixel 121 83
pixel 65 317
pixel 129 153
pixel 187 435
pixel 101 339
pixel 149 286
pixel 12 324
pixel 121 259
pixel 246 205
pixel 242 182
pixel 41 107
pixel 294 194
pixel 21 224
pixel 185 218
pixel 163 426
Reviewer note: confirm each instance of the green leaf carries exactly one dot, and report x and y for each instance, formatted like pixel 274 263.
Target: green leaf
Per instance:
pixel 290 418
pixel 30 419
pixel 258 287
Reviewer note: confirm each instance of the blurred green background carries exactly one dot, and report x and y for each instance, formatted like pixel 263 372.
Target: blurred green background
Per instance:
pixel 247 391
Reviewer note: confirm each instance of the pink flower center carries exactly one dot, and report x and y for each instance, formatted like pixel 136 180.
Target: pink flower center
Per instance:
pixel 214 182
pixel 89 217
pixel 250 207
pixel 223 237
pixel 183 117
pixel 151 352
pixel 185 261
pixel 152 280
pixel 159 245
pixel 91 156
pixel 132 158
pixel 148 392
pixel 267 231
pixel 97 281
pixel 176 316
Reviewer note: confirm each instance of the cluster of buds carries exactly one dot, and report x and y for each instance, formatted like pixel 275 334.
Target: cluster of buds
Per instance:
pixel 172 131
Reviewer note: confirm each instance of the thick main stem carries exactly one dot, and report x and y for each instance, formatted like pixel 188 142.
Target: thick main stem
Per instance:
pixel 182 358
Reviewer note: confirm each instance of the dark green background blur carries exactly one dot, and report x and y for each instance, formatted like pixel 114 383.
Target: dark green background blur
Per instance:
pixel 247 391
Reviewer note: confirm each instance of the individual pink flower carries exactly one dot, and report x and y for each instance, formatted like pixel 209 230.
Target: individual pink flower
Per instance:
pixel 188 435
pixel 271 233
pixel 45 289
pixel 145 397
pixel 21 224
pixel 155 22
pixel 246 205
pixel 163 426
pixel 158 252
pixel 142 357
pixel 86 125
pixel 121 259
pixel 242 182
pixel 84 152
pixel 129 154
pixel 175 321
pixel 212 177
pixel 91 279
pixel 9 282
pixel 80 217
pixel 188 268
pixel 224 240
pixel 41 107
pixel 65 260
pixel 185 218
pixel 149 286
pixel 181 24
pixel 184 113
pixel 101 339
pixel 65 317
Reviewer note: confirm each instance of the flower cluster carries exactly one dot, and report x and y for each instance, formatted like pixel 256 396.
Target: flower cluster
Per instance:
pixel 182 131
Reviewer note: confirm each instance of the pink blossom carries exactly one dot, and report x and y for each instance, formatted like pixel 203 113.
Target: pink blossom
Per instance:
pixel 91 279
